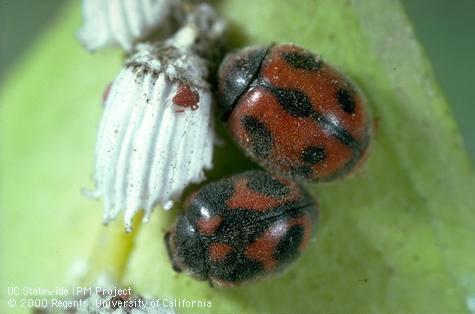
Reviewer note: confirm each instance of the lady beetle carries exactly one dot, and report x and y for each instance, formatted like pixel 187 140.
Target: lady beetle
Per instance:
pixel 241 228
pixel 293 113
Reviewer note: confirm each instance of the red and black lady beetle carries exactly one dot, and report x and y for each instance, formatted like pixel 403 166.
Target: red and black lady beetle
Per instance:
pixel 294 114
pixel 242 228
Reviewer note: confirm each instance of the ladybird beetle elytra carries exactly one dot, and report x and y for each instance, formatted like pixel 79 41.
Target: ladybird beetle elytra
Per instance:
pixel 293 113
pixel 242 228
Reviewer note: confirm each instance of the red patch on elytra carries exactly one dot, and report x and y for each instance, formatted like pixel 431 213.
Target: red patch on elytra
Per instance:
pixel 218 251
pixel 186 97
pixel 263 248
pixel 246 198
pixel 207 226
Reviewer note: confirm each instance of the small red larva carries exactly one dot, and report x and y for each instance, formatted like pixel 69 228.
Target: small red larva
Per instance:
pixel 186 97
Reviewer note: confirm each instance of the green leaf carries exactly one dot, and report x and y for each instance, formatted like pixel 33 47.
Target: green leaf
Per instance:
pixel 396 237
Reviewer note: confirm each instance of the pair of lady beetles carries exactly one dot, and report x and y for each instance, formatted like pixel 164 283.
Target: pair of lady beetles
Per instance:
pixel 297 117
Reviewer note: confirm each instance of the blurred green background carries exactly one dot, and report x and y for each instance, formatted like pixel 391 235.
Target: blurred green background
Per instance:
pixel 445 28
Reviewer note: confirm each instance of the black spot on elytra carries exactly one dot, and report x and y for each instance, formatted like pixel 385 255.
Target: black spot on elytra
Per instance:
pixel 313 154
pixel 346 101
pixel 287 249
pixel 261 139
pixel 262 182
pixel 293 101
pixel 302 60
pixel 301 172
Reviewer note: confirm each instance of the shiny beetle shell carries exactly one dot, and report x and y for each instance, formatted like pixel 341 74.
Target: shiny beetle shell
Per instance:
pixel 242 228
pixel 294 114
